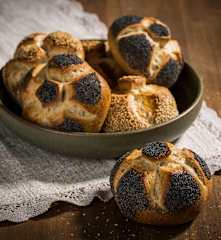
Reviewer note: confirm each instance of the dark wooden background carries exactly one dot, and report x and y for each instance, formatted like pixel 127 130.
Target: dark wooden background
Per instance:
pixel 197 26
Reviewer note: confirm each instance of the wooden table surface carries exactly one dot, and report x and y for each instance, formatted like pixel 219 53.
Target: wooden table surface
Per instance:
pixel 197 26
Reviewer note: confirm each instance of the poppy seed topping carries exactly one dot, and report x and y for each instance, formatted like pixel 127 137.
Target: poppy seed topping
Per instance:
pixel 131 195
pixel 70 126
pixel 183 192
pixel 65 60
pixel 47 92
pixel 159 30
pixel 115 168
pixel 88 89
pixel 123 22
pixel 156 150
pixel 169 73
pixel 203 165
pixel 136 51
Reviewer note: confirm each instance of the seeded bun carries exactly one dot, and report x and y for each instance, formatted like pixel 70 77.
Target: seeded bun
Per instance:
pixel 97 54
pixel 35 49
pixel 135 105
pixel 160 184
pixel 66 94
pixel 62 43
pixel 143 46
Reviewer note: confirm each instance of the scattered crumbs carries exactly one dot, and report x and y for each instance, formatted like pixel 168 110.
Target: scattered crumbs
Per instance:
pixel 102 213
pixel 115 224
pixel 88 224
pixel 97 217
pixel 71 234
pixel 133 235
pixel 107 220
pixel 83 214
pixel 84 231
pixel 126 220
pixel 68 223
pixel 111 232
pixel 72 214
pixel 98 234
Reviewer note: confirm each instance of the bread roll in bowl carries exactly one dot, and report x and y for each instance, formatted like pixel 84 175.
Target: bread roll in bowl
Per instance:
pixel 160 184
pixel 143 46
pixel 62 43
pixel 97 54
pixel 66 94
pixel 35 49
pixel 136 105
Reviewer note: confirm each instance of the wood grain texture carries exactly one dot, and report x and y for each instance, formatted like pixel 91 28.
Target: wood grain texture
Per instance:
pixel 104 221
pixel 197 26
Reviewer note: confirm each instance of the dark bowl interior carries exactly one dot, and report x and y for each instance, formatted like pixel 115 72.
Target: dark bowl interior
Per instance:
pixel 187 92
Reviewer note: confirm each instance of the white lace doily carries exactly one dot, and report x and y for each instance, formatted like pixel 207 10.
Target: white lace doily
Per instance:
pixel 32 179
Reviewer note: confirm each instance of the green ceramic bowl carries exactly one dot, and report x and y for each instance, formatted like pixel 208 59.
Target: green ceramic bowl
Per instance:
pixel 188 94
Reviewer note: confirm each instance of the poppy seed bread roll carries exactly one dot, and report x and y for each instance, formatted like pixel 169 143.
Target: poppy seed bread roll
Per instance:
pixel 160 184
pixel 35 49
pixel 136 105
pixel 57 43
pixel 97 54
pixel 28 55
pixel 143 46
pixel 66 94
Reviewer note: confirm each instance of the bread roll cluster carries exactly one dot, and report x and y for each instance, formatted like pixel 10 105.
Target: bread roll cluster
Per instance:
pixel 160 184
pixel 111 85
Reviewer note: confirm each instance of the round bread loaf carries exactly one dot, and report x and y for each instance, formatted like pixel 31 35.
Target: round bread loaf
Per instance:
pixel 136 105
pixel 97 54
pixel 160 184
pixel 66 94
pixel 143 45
pixel 35 49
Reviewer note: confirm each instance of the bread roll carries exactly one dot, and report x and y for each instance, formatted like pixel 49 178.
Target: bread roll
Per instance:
pixel 35 49
pixel 66 94
pixel 97 54
pixel 160 184
pixel 143 46
pixel 135 105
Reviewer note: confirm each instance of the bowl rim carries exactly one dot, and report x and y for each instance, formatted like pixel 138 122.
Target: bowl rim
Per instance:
pixel 197 99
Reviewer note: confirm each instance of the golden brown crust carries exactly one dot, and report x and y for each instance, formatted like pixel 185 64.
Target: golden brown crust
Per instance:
pixel 30 48
pixel 144 47
pixel 34 50
pixel 69 97
pixel 97 54
pixel 175 190
pixel 14 73
pixel 62 43
pixel 135 105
